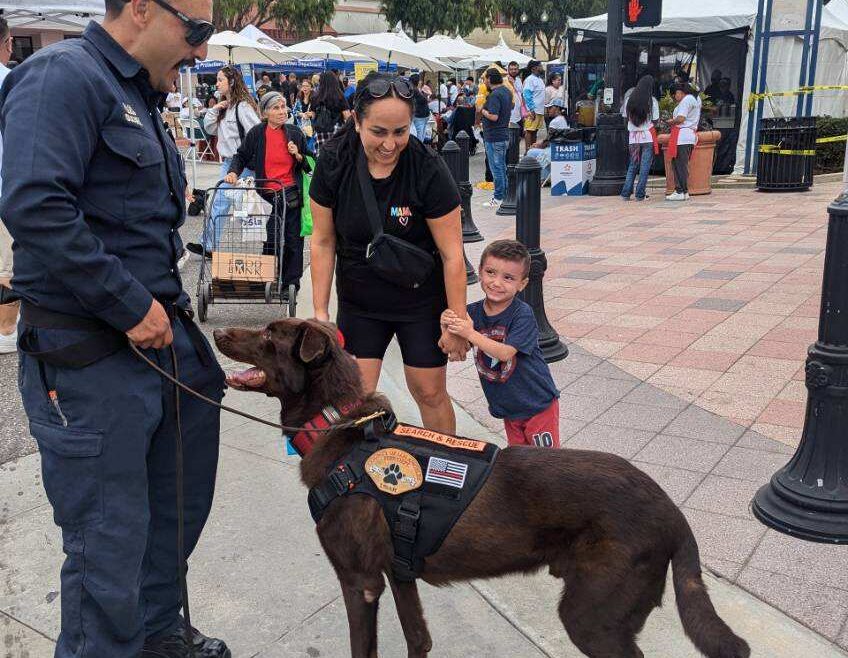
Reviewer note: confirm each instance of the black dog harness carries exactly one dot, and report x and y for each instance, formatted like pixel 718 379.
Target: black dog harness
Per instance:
pixel 422 479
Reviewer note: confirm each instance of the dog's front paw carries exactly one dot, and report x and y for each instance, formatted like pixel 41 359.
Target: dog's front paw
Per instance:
pixel 392 474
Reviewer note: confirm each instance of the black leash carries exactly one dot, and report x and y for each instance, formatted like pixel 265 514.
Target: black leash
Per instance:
pixel 286 428
pixel 188 629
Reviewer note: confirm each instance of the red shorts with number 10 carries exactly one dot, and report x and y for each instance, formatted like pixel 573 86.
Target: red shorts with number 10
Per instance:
pixel 541 430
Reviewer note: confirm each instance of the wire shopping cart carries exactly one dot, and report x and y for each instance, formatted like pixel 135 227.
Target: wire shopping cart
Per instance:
pixel 247 246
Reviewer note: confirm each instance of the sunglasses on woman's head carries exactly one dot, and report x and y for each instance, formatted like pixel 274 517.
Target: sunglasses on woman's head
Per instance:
pixel 381 86
pixel 197 32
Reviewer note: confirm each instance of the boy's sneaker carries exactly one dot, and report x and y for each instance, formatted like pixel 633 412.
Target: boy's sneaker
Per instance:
pixel 675 196
pixel 493 203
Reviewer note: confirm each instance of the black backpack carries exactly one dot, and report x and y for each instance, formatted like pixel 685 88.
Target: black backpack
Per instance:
pixel 325 120
pixel 421 109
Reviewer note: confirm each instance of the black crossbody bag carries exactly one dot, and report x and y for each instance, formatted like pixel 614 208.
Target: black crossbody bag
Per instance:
pixel 390 257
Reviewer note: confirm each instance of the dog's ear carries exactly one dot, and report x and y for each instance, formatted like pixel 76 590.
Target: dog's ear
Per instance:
pixel 292 375
pixel 314 344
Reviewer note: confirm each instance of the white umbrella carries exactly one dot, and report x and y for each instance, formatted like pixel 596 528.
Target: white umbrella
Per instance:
pixel 448 49
pixel 499 53
pixel 391 47
pixel 239 49
pixel 325 49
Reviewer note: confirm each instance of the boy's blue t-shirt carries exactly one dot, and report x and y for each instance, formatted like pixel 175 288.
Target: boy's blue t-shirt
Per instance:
pixel 521 387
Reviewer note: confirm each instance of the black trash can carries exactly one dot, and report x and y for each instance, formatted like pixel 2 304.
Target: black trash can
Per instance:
pixel 787 154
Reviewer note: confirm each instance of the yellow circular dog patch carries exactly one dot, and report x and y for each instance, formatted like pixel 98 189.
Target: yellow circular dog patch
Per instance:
pixel 394 471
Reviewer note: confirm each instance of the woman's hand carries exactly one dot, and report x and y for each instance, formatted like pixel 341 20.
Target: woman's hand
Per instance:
pixel 322 315
pixel 223 105
pixel 231 178
pixel 454 346
pixel 294 151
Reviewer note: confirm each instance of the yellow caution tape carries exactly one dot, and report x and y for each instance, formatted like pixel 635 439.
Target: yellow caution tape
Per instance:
pixel 828 140
pixel 753 98
pixel 775 150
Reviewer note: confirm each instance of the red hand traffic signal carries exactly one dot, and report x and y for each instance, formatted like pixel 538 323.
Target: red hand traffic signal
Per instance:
pixel 643 13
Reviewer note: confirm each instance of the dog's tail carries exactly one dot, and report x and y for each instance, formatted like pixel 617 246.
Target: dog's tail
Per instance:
pixel 703 626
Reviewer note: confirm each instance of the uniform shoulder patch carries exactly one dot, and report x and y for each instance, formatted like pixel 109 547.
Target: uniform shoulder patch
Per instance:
pixel 394 471
pixel 442 439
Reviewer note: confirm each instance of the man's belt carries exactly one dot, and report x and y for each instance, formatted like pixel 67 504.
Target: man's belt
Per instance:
pixel 102 339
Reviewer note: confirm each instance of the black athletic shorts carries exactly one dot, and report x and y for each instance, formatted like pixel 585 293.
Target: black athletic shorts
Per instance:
pixel 367 338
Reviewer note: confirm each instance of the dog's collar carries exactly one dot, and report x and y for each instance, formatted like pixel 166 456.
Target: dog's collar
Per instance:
pixel 304 441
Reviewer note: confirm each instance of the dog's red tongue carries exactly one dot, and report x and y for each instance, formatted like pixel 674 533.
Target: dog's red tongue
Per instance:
pixel 252 377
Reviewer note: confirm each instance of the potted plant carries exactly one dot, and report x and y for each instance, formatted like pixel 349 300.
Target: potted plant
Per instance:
pixel 703 155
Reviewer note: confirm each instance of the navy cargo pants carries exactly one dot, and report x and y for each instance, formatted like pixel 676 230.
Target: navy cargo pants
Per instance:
pixel 106 434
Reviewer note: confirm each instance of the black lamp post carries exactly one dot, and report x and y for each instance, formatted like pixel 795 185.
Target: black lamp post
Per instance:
pixel 452 155
pixel 528 230
pixel 612 127
pixel 808 498
pixel 470 233
pixel 508 206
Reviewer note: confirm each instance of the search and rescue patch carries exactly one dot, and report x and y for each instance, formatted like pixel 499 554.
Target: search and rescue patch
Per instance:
pixel 394 471
pixel 446 472
pixel 442 439
pixel 130 115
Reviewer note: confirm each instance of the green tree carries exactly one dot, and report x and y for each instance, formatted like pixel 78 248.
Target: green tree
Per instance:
pixel 547 20
pixel 424 18
pixel 295 16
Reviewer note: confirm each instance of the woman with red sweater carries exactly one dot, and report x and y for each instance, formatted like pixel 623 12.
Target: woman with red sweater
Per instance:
pixel 277 151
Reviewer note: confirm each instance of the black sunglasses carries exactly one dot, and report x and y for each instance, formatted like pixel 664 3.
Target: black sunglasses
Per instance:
pixel 197 32
pixel 381 86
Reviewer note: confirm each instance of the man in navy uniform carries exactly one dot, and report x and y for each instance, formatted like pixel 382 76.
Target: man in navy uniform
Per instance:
pixel 93 195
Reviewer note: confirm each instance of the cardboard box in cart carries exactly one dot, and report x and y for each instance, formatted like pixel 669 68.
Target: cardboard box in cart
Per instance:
pixel 572 167
pixel 228 266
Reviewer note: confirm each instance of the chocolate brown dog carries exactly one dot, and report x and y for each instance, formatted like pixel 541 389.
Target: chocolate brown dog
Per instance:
pixel 610 537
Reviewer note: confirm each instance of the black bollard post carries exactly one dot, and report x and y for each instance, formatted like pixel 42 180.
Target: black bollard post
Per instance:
pixel 452 155
pixel 808 498
pixel 528 228
pixel 508 206
pixel 469 229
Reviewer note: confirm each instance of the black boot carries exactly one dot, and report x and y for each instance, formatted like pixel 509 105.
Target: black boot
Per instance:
pixel 174 645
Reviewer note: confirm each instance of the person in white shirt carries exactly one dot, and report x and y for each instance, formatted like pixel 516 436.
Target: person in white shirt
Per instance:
pixel 641 109
pixel 173 100
pixel 555 111
pixel 196 106
pixel 8 309
pixel 513 71
pixel 687 116
pixel 534 99
pixel 230 120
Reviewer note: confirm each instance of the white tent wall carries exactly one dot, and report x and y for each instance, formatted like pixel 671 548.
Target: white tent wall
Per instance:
pixel 785 53
pixel 784 68
pixel 68 16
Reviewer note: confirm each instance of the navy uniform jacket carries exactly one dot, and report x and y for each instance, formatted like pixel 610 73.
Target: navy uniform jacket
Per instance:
pixel 93 186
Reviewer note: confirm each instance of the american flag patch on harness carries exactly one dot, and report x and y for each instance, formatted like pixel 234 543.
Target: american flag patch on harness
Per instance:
pixel 446 472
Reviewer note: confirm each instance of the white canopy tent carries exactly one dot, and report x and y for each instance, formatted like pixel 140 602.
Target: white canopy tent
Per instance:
pixel 394 47
pixel 450 50
pixel 498 53
pixel 69 16
pixel 229 46
pixel 323 48
pixel 785 52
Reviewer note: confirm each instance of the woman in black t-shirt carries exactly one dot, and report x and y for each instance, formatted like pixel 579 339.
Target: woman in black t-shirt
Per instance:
pixel 419 202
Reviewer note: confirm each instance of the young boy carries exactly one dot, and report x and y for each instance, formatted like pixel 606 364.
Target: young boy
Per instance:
pixel 515 378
